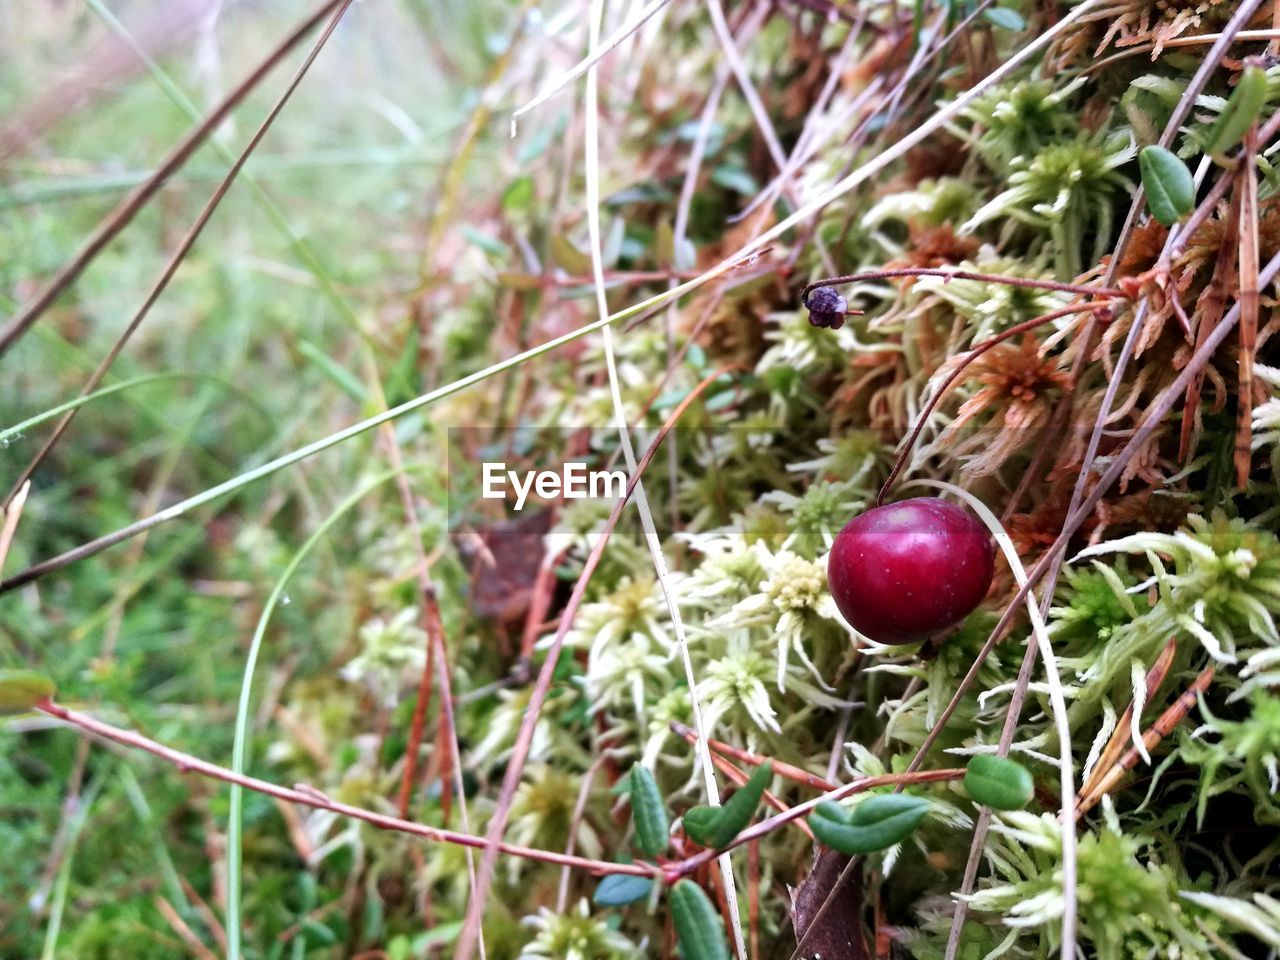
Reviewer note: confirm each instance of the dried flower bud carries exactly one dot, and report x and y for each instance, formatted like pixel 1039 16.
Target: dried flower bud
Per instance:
pixel 826 308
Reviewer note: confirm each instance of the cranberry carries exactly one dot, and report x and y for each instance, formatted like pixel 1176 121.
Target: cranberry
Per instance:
pixel 909 570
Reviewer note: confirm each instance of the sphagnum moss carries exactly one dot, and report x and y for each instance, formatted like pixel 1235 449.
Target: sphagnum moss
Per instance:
pixel 1031 181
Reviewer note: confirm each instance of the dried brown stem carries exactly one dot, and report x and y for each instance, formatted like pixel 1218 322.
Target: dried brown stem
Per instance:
pixel 674 871
pixel 178 255
pixel 972 355
pixel 520 750
pixel 1213 303
pixel 949 274
pixel 137 198
pixel 1112 752
pixel 309 797
pixel 1248 298
pixel 796 774
pixel 1163 726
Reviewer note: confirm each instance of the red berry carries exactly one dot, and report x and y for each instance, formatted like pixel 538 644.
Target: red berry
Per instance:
pixel 909 570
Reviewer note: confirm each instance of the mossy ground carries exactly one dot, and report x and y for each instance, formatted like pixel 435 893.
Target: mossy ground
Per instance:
pixel 416 243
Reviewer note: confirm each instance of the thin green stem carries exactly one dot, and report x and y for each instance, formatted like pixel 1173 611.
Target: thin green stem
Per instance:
pixel 63 885
pixel 240 737
pixel 11 433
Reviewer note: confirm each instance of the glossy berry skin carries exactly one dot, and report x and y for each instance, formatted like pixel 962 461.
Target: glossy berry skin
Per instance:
pixel 909 570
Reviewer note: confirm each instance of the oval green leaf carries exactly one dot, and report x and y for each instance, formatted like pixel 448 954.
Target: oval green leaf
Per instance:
pixel 833 811
pixel 619 889
pixel 648 812
pixel 20 690
pixel 1006 19
pixel 715 827
pixel 998 782
pixel 1243 107
pixel 1170 190
pixel 568 257
pixel 697 923
pixel 741 807
pixel 700 824
pixel 878 823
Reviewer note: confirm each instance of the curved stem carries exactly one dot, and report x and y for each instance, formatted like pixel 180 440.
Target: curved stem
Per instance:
pixel 309 797
pixel 674 871
pixel 973 355
pixel 1076 288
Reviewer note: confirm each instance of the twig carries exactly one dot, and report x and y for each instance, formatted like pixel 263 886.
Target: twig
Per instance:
pixel 11 513
pixel 1248 297
pixel 667 873
pixel 781 768
pixel 184 247
pixel 579 807
pixel 1163 726
pixel 673 871
pixel 180 927
pixel 948 274
pixel 542 685
pixel 617 37
pixel 1212 304
pixel 1241 36
pixel 186 763
pixel 137 198
pixel 970 356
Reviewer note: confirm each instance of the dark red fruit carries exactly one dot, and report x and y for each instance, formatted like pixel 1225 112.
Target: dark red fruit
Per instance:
pixel 909 570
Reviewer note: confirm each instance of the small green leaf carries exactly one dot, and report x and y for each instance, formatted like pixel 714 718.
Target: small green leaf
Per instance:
pixel 648 811
pixel 715 827
pixel 736 179
pixel 833 811
pixel 1246 102
pixel 998 782
pixel 700 824
pixel 441 935
pixel 317 933
pixel 1006 19
pixel 485 242
pixel 741 807
pixel 619 889
pixel 664 244
pixel 518 195
pixel 877 823
pixel 20 690
pixel 568 257
pixel 1171 193
pixel 613 242
pixel 341 377
pixel 698 926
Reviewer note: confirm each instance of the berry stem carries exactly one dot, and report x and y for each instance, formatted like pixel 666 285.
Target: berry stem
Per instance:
pixel 974 354
pixel 310 797
pixel 1076 288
